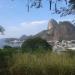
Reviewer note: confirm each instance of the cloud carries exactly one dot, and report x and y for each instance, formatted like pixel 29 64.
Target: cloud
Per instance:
pixel 39 22
pixel 32 23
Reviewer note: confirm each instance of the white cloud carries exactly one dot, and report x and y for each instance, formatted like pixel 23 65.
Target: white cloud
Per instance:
pixel 39 22
pixel 34 23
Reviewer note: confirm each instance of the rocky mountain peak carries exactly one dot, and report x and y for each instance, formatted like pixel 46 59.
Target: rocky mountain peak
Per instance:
pixel 63 30
pixel 52 24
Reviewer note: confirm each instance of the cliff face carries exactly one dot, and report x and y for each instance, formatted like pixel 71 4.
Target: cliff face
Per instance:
pixel 66 31
pixel 58 31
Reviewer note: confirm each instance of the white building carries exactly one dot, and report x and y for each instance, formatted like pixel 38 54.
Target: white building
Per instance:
pixel 14 43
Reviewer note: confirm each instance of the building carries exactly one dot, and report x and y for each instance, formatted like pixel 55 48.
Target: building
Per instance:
pixel 14 43
pixel 64 46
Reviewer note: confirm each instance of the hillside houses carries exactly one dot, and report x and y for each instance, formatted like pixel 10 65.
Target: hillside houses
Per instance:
pixel 63 45
pixel 58 46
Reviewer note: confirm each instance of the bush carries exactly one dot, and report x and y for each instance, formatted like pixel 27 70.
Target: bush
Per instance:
pixel 7 47
pixel 5 56
pixel 10 50
pixel 35 44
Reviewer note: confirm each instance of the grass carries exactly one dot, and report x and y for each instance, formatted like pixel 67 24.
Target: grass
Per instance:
pixel 41 64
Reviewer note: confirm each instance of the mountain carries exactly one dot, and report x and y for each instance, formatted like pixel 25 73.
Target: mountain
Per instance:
pixel 58 31
pixel 55 31
pixel 25 37
pixel 66 30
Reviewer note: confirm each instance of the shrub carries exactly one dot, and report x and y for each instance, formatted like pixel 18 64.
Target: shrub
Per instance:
pixel 5 56
pixel 9 51
pixel 35 44
pixel 7 47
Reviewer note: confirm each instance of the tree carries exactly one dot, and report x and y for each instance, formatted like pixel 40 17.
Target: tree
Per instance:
pixel 2 30
pixel 72 2
pixel 35 44
pixel 69 9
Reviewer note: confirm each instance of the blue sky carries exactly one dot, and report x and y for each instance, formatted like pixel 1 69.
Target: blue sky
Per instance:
pixel 17 21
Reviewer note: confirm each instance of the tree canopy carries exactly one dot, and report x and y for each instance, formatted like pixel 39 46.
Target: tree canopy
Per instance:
pixel 2 30
pixel 34 44
pixel 65 10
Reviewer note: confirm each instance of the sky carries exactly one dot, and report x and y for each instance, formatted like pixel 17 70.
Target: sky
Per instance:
pixel 17 21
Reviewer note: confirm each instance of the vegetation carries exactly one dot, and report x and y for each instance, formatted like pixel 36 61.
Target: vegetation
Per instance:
pixel 53 4
pixel 14 62
pixel 72 2
pixel 30 59
pixel 7 47
pixel 36 44
pixel 40 64
pixel 1 29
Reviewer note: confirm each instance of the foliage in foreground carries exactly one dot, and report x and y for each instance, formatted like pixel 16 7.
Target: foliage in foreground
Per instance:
pixel 14 62
pixel 42 64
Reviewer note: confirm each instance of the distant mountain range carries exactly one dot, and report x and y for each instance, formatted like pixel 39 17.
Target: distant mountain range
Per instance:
pixel 55 31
